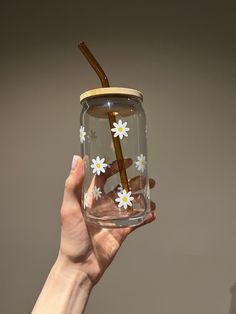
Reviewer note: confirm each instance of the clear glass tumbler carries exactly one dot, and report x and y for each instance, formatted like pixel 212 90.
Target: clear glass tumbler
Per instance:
pixel 114 149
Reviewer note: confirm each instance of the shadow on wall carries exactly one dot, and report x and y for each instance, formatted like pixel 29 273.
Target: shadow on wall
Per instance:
pixel 232 309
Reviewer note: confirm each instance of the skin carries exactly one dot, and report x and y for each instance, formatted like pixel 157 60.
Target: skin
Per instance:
pixel 86 250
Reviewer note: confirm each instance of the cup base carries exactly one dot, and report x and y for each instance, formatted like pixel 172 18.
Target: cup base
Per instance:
pixel 116 223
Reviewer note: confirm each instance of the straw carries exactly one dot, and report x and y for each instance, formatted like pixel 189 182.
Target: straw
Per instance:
pixel 111 116
pixel 95 65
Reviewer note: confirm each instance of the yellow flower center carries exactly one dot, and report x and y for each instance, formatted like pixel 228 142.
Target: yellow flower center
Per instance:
pixel 98 165
pixel 142 162
pixel 125 199
pixel 120 129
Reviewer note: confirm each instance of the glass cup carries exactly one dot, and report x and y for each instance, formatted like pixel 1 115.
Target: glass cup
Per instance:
pixel 114 149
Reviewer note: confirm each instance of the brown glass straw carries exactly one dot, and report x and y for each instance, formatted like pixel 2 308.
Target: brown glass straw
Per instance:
pixel 111 116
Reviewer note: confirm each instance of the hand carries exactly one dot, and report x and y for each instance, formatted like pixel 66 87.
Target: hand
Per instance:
pixel 89 248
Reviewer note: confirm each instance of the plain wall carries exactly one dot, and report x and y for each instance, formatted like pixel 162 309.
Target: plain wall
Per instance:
pixel 182 56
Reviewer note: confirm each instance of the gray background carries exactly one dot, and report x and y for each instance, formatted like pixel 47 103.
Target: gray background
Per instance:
pixel 182 56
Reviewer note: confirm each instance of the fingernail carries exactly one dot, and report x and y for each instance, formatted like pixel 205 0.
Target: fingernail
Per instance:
pixel 74 162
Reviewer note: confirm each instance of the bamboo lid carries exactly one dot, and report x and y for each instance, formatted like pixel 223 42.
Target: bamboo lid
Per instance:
pixel 111 91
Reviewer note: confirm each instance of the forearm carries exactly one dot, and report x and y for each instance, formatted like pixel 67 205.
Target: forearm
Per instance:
pixel 66 291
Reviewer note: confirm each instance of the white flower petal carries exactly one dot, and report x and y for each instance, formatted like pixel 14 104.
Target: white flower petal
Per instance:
pixel 120 129
pixel 140 164
pixel 124 199
pixel 98 165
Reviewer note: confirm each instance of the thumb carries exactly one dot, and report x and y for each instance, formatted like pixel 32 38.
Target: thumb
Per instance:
pixel 73 184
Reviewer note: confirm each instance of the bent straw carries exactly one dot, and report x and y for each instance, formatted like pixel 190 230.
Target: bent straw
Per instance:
pixel 95 65
pixel 111 116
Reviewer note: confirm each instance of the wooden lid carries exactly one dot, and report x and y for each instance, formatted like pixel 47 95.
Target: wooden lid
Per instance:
pixel 111 91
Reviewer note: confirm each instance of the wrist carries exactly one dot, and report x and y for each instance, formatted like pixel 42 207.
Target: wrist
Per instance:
pixel 66 290
pixel 70 272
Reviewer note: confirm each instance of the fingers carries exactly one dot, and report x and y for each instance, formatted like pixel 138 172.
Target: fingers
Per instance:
pixel 140 199
pixel 150 218
pixel 139 182
pixel 152 205
pixel 113 169
pixel 152 183
pixel 136 184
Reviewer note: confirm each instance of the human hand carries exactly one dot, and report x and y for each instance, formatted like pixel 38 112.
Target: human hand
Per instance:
pixel 89 248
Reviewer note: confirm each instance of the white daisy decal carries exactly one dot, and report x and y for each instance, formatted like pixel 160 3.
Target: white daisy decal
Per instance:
pixel 82 134
pixel 85 200
pixel 98 165
pixel 124 199
pixel 140 164
pixel 107 161
pixel 146 192
pixel 120 129
pixel 96 193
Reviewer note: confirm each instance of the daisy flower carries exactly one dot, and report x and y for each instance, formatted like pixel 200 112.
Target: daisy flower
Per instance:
pixel 82 134
pixel 107 161
pixel 85 200
pixel 120 129
pixel 124 199
pixel 96 193
pixel 98 165
pixel 140 164
pixel 146 192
